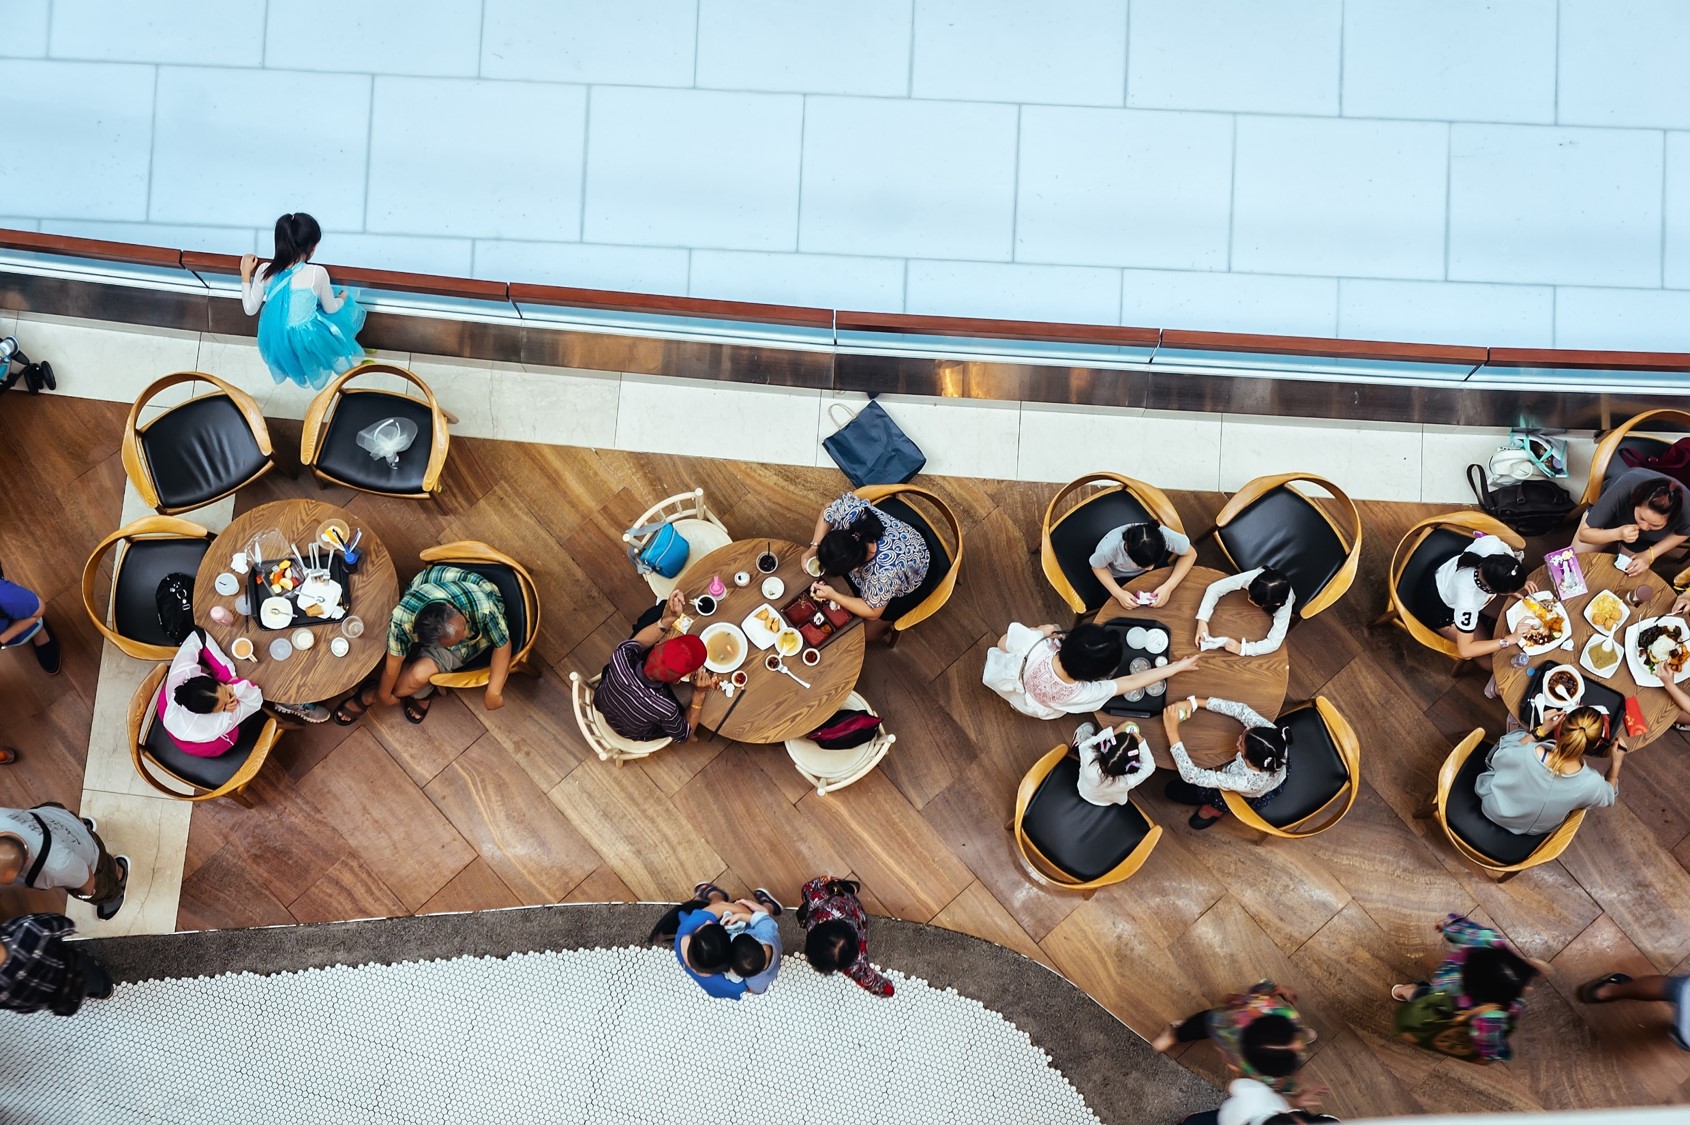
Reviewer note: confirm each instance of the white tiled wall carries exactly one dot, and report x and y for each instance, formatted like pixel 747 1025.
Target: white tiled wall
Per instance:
pixel 1428 171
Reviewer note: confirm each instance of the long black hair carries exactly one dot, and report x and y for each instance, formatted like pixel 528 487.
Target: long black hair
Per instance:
pixel 1270 1045
pixel 198 695
pixel 831 946
pixel 709 952
pixel 297 235
pixel 1144 543
pixel 1495 975
pixel 1267 748
pixel 1500 574
pixel 1090 652
pixel 846 548
pixel 1270 589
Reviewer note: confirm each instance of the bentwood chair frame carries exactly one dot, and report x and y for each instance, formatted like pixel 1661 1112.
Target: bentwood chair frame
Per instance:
pixel 868 756
pixel 1608 448
pixel 474 551
pixel 135 459
pixel 606 743
pixel 1047 872
pixel 1398 613
pixel 941 593
pixel 141 712
pixel 679 510
pixel 1339 584
pixel 147 527
pixel 1344 740
pixel 320 415
pixel 1148 496
pixel 1553 845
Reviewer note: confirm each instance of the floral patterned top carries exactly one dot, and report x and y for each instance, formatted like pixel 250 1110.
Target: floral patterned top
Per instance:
pixel 900 560
pixel 823 900
pixel 1489 1029
pixel 1238 775
pixel 1227 1024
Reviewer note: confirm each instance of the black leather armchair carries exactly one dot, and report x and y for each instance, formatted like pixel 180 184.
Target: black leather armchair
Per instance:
pixel 328 443
pixel 199 451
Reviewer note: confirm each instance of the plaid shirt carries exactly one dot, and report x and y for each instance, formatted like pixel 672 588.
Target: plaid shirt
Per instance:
pixel 1489 1029
pixel 1227 1024
pixel 822 904
pixel 468 593
pixel 35 968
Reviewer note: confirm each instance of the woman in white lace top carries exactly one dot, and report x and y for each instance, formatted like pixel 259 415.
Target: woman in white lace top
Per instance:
pixel 1256 773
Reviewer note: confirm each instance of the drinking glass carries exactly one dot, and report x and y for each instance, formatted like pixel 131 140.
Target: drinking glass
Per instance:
pixel 1640 595
pixel 352 627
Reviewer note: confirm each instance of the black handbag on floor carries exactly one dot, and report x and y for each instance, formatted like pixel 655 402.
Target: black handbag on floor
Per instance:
pixel 1531 507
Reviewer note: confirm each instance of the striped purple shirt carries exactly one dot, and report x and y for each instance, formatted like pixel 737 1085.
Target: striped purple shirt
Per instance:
pixel 634 705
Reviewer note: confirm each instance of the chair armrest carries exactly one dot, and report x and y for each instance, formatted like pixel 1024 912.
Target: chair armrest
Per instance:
pixel 311 431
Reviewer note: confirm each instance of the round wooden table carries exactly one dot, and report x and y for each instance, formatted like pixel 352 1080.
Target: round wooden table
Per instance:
pixel 1258 681
pixel 315 674
pixel 1600 574
pixel 774 708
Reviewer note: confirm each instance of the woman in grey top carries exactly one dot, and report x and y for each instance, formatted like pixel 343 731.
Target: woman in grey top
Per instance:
pixel 1534 784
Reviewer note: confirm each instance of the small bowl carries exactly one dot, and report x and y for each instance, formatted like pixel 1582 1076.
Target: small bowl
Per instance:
pixel 275 613
pixel 303 639
pixel 812 657
pixel 788 642
pixel 742 578
pixel 340 646
pixel 773 588
pixel 813 567
pixel 1155 641
pixel 226 584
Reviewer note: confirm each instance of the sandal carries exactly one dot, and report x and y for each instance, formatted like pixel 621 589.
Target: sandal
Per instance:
pixel 344 716
pixel 1405 994
pixel 416 710
pixel 1587 991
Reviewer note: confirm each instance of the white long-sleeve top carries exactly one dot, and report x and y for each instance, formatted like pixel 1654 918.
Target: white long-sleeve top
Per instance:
pixel 1098 787
pixel 216 732
pixel 1219 588
pixel 308 276
pixel 1238 775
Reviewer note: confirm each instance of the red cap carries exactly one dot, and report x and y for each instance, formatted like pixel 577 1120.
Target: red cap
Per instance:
pixel 675 659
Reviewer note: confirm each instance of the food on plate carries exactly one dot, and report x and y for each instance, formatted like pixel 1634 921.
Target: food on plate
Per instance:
pixel 788 642
pixel 722 647
pixel 1662 645
pixel 1603 655
pixel 1606 611
pixel 1543 629
pixel 1562 684
pixel 769 619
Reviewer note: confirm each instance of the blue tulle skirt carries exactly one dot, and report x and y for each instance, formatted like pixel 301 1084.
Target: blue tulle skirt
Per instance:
pixel 303 344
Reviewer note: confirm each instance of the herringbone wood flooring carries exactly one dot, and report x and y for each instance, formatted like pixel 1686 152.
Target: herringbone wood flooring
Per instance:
pixel 475 809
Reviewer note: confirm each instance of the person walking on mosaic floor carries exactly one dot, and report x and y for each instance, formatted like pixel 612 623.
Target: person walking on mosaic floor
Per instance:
pixel 40 971
pixel 49 847
pixel 712 937
pixel 307 333
pixel 836 938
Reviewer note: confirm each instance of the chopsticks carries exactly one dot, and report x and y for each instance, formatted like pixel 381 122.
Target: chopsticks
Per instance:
pixel 738 699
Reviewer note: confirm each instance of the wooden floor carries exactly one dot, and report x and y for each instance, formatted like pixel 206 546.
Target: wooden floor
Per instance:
pixel 476 809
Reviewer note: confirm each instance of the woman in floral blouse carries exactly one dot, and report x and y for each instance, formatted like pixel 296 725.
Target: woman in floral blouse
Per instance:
pixel 837 935
pixel 883 556
pixel 1257 773
pixel 1483 976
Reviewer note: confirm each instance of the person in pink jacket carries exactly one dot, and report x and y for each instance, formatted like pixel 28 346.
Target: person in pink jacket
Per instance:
pixel 203 701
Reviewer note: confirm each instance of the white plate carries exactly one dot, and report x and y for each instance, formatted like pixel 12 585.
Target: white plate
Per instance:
pixel 1155 641
pixel 773 588
pixel 280 649
pixel 1547 600
pixel 226 584
pixel 725 627
pixel 1639 671
pixel 275 613
pixel 1625 611
pixel 1135 636
pixel 758 633
pixel 1589 665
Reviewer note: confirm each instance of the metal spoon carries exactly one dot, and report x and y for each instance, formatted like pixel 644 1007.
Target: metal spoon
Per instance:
pixel 780 666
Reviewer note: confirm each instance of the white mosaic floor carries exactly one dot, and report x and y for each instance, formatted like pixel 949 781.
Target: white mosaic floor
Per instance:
pixel 613 1037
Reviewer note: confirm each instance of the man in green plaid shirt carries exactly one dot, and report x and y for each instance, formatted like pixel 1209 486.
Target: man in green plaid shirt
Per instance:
pixel 448 618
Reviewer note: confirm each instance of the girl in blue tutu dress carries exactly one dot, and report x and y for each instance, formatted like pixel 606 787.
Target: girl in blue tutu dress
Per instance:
pixel 307 334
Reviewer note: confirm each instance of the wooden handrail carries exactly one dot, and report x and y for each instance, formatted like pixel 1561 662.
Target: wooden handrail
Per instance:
pixel 914 324
pixel 986 328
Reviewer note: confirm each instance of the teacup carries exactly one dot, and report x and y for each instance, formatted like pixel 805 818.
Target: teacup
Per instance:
pixel 812 657
pixel 813 567
pixel 742 579
pixel 705 604
pixel 241 649
pixel 772 662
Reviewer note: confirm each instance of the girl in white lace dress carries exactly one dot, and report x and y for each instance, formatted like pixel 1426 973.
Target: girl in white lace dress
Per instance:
pixel 1257 773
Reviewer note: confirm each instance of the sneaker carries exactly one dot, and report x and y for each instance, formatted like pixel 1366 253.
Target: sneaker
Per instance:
pixel 47 655
pixel 308 712
pixel 1083 732
pixel 93 825
pixel 106 911
pixel 1490 688
pixel 763 896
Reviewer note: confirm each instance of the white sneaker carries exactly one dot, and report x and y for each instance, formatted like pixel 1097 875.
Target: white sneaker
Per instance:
pixel 310 712
pixel 1083 732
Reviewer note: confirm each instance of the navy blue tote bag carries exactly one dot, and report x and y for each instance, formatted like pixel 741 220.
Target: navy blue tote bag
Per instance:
pixel 871 449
